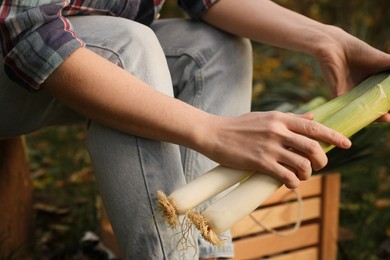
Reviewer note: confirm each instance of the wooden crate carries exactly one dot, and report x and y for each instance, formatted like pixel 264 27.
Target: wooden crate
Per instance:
pixel 315 239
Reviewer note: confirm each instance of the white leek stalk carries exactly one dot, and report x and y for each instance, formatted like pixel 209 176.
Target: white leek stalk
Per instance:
pixel 199 190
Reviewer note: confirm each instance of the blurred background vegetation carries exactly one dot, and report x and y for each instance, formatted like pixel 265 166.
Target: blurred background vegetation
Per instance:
pixel 65 192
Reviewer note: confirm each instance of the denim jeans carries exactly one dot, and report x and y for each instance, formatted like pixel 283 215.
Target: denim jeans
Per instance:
pixel 191 61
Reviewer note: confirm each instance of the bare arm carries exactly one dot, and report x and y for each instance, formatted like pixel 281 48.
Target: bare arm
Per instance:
pixel 344 59
pixel 111 96
pixel 266 22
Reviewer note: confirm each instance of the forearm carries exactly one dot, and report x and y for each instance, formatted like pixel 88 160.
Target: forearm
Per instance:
pixel 344 59
pixel 266 22
pixel 111 96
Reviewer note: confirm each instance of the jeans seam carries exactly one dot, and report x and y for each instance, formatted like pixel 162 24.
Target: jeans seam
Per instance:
pixel 149 197
pixel 200 62
pixel 120 62
pixel 199 59
pixel 189 163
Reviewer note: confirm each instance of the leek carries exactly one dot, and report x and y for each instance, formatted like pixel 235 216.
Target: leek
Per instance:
pixel 182 200
pixel 346 114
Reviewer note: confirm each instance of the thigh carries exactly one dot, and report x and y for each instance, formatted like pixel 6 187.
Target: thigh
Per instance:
pixel 128 44
pixel 211 70
pixel 129 170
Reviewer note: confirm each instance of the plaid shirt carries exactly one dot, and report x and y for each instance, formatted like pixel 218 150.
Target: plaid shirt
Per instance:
pixel 36 36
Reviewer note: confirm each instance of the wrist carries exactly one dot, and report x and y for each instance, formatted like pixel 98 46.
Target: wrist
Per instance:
pixel 203 133
pixel 326 40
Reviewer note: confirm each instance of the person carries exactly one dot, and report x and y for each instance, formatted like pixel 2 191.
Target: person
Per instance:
pixel 166 100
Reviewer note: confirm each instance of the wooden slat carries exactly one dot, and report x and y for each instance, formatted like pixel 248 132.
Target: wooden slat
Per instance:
pixel 277 216
pixel 106 233
pixel 311 187
pixel 16 217
pixel 304 254
pixel 269 244
pixel 330 216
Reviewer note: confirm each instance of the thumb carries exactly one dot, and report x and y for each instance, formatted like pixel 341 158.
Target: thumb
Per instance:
pixel 337 79
pixel 342 85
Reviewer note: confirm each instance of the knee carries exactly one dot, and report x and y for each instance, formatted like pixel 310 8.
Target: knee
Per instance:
pixel 114 38
pixel 128 41
pixel 200 41
pixel 128 44
pixel 235 51
pixel 232 47
pixel 232 53
pixel 239 52
pixel 137 36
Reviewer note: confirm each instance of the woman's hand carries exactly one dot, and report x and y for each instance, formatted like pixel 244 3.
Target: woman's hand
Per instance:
pixel 280 144
pixel 346 61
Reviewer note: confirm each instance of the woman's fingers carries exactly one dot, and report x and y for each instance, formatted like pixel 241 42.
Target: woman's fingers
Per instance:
pixel 293 142
pixel 283 145
pixel 308 149
pixel 283 172
pixel 385 118
pixel 317 131
pixel 301 151
pixel 296 163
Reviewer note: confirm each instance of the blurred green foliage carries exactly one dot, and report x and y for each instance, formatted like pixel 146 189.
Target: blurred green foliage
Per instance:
pixel 277 70
pixel 65 193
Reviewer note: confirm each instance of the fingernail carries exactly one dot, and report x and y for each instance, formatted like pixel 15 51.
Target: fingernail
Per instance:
pixel 347 143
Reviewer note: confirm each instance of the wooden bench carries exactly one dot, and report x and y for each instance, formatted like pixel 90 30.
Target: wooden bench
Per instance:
pixel 16 207
pixel 317 236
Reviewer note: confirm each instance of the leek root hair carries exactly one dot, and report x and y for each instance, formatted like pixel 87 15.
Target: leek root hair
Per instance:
pixel 204 228
pixel 188 197
pixel 187 239
pixel 168 209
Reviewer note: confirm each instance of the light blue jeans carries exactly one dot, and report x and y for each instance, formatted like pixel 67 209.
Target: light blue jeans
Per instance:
pixel 196 63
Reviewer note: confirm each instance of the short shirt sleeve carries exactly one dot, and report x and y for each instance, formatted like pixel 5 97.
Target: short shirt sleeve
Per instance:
pixel 35 40
pixel 196 8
